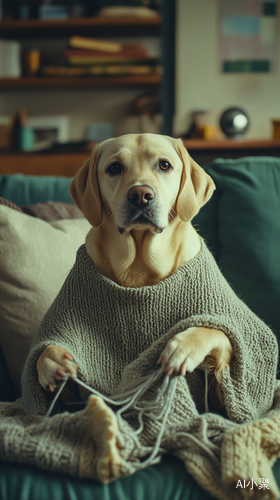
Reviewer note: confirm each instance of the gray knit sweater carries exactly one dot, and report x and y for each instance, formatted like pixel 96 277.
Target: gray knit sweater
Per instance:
pixel 116 335
pixel 106 327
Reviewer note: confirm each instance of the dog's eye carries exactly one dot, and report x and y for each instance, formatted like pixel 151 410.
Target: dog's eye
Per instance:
pixel 164 165
pixel 114 169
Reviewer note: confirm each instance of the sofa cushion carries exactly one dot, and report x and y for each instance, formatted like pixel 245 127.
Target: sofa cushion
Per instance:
pixel 35 258
pixel 167 480
pixel 206 223
pixel 247 216
pixel 28 189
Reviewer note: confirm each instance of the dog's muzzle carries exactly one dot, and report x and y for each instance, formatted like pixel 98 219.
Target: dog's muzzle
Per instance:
pixel 139 207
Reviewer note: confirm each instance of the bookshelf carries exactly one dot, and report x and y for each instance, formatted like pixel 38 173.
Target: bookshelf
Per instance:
pixel 56 82
pixel 95 27
pixel 92 27
pixel 88 26
pixel 161 27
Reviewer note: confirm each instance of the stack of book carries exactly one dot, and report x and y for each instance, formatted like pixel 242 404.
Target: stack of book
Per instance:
pixel 88 56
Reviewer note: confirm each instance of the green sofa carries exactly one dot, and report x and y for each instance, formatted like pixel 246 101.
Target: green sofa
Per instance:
pixel 241 224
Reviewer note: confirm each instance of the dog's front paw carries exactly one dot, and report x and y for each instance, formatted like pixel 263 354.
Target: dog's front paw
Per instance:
pixel 53 366
pixel 183 353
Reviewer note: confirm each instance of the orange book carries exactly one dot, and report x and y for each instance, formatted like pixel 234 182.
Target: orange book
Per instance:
pixel 128 50
pixel 80 42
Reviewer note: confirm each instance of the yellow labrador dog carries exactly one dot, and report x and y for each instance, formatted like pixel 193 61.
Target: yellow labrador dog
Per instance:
pixel 140 193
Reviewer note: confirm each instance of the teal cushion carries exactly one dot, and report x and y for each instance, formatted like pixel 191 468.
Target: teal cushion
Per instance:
pixel 247 227
pixel 206 223
pixel 167 480
pixel 276 472
pixel 28 189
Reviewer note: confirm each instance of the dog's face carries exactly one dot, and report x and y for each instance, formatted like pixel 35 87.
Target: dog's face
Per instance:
pixel 140 181
pixel 139 178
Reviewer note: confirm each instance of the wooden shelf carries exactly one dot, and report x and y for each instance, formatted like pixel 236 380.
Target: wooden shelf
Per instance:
pixel 68 163
pixel 201 144
pixel 65 164
pixel 80 82
pixel 88 26
pixel 205 151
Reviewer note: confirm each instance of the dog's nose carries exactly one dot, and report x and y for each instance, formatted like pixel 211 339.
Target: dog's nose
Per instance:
pixel 141 196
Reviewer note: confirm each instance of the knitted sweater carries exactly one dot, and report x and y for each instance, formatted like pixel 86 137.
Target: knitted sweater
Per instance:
pixel 116 335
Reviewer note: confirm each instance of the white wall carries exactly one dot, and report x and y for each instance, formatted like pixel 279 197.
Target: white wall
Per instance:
pixel 199 83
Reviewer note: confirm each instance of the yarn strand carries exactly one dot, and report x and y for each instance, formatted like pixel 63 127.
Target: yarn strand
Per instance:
pixel 130 400
pixel 57 395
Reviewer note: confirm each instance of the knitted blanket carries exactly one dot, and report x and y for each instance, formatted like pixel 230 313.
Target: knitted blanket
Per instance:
pixel 116 335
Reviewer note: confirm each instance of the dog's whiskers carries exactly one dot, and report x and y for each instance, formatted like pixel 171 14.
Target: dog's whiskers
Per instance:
pixel 108 217
pixel 172 214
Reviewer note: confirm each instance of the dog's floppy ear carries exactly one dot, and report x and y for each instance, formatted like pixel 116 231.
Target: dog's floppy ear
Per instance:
pixel 84 190
pixel 196 186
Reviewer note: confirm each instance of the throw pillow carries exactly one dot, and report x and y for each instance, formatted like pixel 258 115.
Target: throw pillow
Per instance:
pixel 35 258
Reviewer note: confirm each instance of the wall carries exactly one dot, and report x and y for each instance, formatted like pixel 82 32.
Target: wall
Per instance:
pixel 200 85
pixel 81 106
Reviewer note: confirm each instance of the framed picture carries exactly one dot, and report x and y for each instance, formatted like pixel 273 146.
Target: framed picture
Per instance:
pixel 248 36
pixel 49 129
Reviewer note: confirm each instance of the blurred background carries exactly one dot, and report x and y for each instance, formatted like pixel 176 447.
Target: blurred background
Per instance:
pixel 73 73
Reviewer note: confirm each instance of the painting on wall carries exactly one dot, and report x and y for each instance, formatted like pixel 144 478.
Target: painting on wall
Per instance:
pixel 248 36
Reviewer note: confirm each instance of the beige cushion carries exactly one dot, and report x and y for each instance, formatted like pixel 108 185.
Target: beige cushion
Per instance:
pixel 35 258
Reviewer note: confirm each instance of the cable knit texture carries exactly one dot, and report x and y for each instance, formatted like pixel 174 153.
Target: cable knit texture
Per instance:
pixel 116 335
